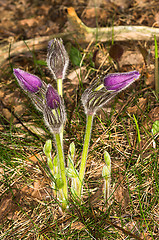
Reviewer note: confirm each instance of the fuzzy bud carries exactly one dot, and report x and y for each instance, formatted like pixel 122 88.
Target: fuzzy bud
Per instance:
pixel 57 58
pixel 100 93
pixel 54 111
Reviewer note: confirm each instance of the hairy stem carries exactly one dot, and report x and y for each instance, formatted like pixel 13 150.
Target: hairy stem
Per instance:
pixel 59 86
pixel 62 168
pixel 85 152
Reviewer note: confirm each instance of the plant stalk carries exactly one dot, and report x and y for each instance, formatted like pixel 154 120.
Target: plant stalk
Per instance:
pixel 60 92
pixel 61 168
pixel 85 153
pixel 59 86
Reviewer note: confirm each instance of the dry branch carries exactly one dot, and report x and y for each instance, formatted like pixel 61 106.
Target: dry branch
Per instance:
pixel 118 33
pixel 37 43
pixel 82 33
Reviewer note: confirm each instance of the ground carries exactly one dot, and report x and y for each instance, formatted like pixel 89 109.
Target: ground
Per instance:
pixel 123 127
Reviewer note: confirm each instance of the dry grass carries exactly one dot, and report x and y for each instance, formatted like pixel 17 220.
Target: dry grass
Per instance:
pixel 27 208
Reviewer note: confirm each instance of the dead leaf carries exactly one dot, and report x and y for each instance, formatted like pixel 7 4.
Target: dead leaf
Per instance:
pixel 152 117
pixel 8 206
pixel 156 24
pixel 39 190
pixel 116 51
pixel 35 129
pixel 131 58
pixel 100 57
pixel 36 189
pixel 122 3
pixel 154 114
pixel 150 80
pixel 90 16
pixel 77 226
pixel 146 55
pixel 141 3
pixel 30 22
pixel 139 108
pixel 1 173
pixel 97 3
pixel 77 75
pixel 121 193
pixel 35 158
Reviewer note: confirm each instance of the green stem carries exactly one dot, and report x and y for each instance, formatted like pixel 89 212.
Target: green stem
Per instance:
pixel 61 166
pixel 106 189
pixel 85 152
pixel 59 86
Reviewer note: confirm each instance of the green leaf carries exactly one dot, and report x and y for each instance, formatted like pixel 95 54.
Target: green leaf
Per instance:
pixel 41 62
pixel 107 159
pixel 72 150
pixel 75 56
pixel 47 148
pixel 50 164
pixel 59 182
pixel 155 127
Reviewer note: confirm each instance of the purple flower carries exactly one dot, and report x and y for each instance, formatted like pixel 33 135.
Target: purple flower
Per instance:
pixel 52 97
pixel 54 110
pixel 120 81
pixel 27 81
pixel 57 58
pixel 99 94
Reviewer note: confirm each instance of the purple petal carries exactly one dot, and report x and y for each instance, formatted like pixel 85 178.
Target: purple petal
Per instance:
pixel 119 81
pixel 27 81
pixel 52 97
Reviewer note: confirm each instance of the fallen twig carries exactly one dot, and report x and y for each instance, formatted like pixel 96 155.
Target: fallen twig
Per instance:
pixel 103 34
pixel 37 43
pixel 82 34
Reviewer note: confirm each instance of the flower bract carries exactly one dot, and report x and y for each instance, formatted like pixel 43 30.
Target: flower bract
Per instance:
pixel 101 92
pixel 54 111
pixel 27 81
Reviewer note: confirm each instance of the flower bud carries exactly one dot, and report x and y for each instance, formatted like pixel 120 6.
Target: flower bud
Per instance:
pixel 55 161
pixel 107 159
pixel 58 181
pixel 120 81
pixel 94 97
pixel 105 172
pixel 99 94
pixel 52 97
pixel 33 86
pixel 54 111
pixel 47 148
pixel 27 81
pixel 57 58
pixel 50 163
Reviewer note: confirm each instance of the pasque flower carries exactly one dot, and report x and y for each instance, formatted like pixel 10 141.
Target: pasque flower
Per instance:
pixel 94 97
pixel 54 116
pixel 52 97
pixel 33 86
pixel 99 93
pixel 51 104
pixel 57 58
pixel 54 111
pixel 27 81
pixel 120 81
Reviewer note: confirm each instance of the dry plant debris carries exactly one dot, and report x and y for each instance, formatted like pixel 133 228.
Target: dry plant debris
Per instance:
pixel 27 209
